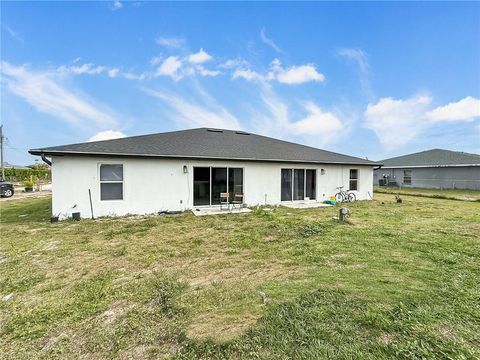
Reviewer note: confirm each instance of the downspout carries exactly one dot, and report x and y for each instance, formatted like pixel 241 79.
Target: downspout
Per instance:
pixel 45 160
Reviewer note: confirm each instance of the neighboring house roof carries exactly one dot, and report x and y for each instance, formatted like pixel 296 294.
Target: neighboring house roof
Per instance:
pixel 7 165
pixel 433 158
pixel 205 143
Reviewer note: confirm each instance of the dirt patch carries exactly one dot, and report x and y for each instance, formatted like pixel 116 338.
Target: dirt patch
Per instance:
pixel 385 338
pixel 116 310
pixel 222 328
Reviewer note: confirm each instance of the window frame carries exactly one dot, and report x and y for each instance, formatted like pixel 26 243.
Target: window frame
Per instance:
pixel 100 181
pixel 407 177
pixel 292 177
pixel 354 180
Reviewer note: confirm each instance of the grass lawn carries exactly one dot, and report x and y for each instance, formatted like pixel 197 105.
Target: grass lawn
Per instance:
pixel 458 194
pixel 397 281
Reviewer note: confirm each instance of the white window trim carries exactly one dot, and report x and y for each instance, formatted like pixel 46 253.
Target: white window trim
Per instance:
pixel 100 182
pixel 357 179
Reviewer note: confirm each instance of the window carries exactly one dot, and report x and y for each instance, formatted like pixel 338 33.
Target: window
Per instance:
pixel 407 177
pixel 353 179
pixel 296 184
pixel 111 182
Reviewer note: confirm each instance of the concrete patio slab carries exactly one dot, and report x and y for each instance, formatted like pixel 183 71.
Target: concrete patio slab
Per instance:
pixel 305 205
pixel 204 211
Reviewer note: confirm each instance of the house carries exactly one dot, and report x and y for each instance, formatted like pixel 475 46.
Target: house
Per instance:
pixel 181 170
pixel 434 168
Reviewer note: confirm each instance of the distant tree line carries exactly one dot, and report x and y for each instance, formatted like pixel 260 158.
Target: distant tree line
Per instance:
pixel 34 172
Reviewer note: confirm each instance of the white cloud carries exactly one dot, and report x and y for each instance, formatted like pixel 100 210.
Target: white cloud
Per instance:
pixel 133 76
pixel 268 41
pixel 190 114
pixel 170 67
pixel 275 117
pixel 113 72
pixel 117 5
pixel 233 63
pixel 295 74
pixel 12 33
pixel 360 58
pixel 200 57
pixel 170 42
pixel 90 69
pixel 317 122
pixel 463 110
pixel 206 72
pixel 45 92
pixel 396 122
pixel 292 75
pixel 247 74
pixel 156 60
pixel 107 135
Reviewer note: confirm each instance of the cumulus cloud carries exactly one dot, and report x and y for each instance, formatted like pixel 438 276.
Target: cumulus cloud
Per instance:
pixel 397 121
pixel 465 109
pixel 295 74
pixel 107 135
pixel 113 72
pixel 170 67
pixel 292 76
pixel 46 93
pixel 200 57
pixel 247 74
pixel 317 122
pixel 170 42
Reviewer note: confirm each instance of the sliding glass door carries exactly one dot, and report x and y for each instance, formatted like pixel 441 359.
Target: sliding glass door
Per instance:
pixel 201 186
pixel 286 185
pixel 310 183
pixel 209 182
pixel 297 184
pixel 235 182
pixel 219 184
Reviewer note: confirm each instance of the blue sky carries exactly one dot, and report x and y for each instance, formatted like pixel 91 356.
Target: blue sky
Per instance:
pixel 374 79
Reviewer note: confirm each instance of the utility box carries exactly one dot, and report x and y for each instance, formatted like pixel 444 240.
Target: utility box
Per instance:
pixel 343 214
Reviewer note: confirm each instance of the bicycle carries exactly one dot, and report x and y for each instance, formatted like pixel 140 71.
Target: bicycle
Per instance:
pixel 344 195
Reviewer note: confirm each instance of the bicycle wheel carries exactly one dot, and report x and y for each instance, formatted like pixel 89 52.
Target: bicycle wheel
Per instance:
pixel 351 197
pixel 339 197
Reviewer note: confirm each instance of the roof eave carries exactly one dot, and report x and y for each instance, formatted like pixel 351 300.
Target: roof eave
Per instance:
pixel 101 154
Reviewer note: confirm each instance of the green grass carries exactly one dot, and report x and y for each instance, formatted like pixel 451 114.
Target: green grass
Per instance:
pixel 396 281
pixel 450 194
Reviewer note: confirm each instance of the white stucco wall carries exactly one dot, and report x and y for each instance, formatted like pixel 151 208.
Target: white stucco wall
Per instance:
pixel 152 185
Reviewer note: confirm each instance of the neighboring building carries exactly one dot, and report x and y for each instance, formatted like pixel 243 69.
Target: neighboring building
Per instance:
pixel 434 168
pixel 183 170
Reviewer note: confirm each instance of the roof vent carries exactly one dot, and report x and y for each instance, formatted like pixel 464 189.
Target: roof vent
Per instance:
pixel 241 133
pixel 215 130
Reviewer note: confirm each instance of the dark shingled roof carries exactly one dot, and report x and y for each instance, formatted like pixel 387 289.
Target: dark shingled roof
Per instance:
pixel 205 143
pixel 433 158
